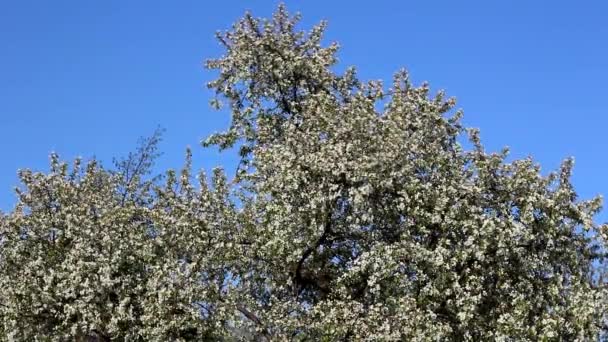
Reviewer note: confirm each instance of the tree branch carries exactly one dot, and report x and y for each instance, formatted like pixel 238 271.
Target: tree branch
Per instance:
pixel 255 319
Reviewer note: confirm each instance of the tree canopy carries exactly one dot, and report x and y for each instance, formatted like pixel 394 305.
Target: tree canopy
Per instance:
pixel 357 213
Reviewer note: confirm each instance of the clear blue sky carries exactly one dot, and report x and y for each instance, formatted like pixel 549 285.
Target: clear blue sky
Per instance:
pixel 88 77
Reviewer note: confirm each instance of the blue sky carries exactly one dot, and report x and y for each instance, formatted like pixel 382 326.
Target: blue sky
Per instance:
pixel 87 78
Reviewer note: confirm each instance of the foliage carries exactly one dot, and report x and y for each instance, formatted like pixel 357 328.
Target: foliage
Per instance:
pixel 356 215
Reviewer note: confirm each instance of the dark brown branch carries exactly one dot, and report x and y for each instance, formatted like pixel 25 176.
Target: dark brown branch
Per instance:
pixel 299 279
pixel 255 319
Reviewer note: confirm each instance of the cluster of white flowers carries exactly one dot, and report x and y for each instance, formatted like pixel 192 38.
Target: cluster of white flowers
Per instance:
pixel 355 215
pixel 77 262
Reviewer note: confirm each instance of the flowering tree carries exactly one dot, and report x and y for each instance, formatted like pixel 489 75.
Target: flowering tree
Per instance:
pixel 356 214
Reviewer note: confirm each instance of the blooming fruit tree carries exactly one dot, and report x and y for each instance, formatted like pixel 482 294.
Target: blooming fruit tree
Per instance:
pixel 356 214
